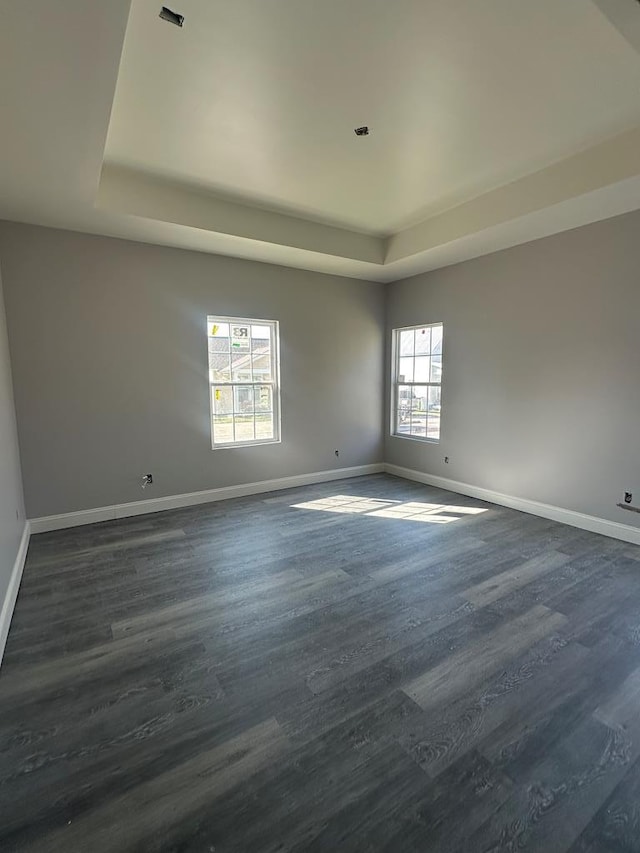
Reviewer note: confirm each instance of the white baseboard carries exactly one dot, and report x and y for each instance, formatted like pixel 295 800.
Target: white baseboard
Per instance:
pixel 9 602
pixel 108 513
pixel 614 529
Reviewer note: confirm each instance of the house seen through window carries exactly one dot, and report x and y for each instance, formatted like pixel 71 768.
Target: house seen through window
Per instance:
pixel 243 380
pixel 417 381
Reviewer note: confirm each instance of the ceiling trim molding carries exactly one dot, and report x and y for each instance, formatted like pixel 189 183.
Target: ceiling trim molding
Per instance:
pixel 598 183
pixel 56 131
pixel 611 162
pixel 625 17
pixel 124 190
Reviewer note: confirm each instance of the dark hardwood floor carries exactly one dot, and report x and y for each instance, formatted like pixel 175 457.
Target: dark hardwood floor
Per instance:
pixel 365 665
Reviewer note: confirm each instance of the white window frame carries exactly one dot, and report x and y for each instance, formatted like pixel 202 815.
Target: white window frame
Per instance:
pixel 395 383
pixel 273 382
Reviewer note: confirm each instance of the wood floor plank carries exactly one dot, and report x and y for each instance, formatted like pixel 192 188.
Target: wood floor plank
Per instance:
pixel 564 791
pixel 434 823
pixel 500 585
pixel 152 808
pixel 621 708
pixel 481 718
pixel 437 554
pixel 375 645
pixel 471 665
pixel 616 826
pixel 261 675
pixel 547 714
pixel 191 609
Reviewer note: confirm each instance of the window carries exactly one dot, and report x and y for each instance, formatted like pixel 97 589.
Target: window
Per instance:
pixel 417 377
pixel 243 380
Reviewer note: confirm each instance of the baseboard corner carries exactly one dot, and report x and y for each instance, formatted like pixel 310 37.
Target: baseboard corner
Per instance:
pixel 11 596
pixel 592 523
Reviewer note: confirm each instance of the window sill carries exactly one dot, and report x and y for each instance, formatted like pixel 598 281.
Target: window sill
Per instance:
pixel 424 440
pixel 236 444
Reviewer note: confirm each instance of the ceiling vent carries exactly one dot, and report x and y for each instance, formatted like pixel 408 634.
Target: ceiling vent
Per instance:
pixel 362 131
pixel 172 17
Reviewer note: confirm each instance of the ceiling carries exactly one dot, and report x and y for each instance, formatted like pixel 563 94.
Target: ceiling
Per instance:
pixel 259 101
pixel 491 124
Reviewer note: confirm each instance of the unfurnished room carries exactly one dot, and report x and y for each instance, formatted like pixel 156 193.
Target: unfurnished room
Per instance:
pixel 319 426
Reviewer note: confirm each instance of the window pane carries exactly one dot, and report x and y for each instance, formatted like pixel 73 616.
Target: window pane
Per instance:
pixel 261 333
pixel 243 399
pixel 240 337
pixel 264 425
pixel 218 344
pixel 405 370
pixel 419 410
pixel 219 331
pixel 418 374
pixel 406 342
pixel 244 428
pixel 222 403
pixel 219 370
pixel 218 354
pixel 240 366
pixel 423 341
pixel 433 425
pixel 243 362
pixel 403 411
pixel 435 393
pixel 436 368
pixel 436 339
pixel 421 373
pixel 223 429
pixel 264 398
pixel 261 361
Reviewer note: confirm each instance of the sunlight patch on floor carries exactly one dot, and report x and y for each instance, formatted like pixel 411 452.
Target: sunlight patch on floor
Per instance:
pixel 381 508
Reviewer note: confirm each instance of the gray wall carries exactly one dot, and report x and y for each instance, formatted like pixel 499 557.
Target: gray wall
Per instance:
pixel 11 503
pixel 541 377
pixel 109 351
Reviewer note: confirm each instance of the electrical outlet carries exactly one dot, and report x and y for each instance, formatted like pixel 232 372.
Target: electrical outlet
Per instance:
pixel 337 452
pixel 446 459
pixel 147 480
pixel 628 497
